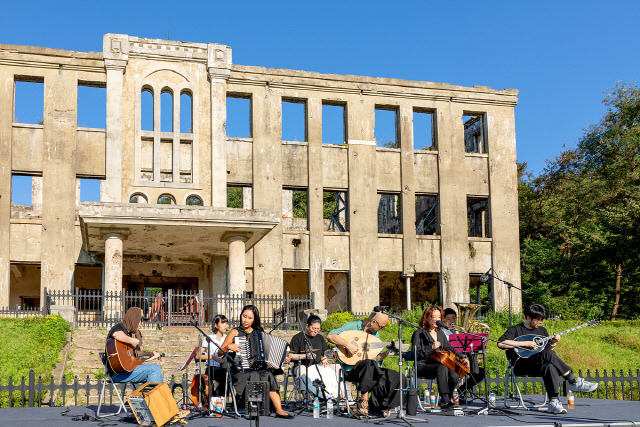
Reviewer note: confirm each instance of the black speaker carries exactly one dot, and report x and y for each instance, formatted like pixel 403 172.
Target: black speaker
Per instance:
pixel 256 401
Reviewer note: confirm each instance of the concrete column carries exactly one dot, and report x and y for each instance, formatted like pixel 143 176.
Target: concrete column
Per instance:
pixel 116 54
pixel 6 120
pixel 315 193
pixel 219 69
pixel 237 267
pixel 407 160
pixel 113 255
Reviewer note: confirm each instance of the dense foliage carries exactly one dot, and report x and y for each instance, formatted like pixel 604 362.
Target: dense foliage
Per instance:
pixel 579 219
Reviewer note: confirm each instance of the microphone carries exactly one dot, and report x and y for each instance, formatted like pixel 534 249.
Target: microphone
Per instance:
pixel 442 325
pixel 486 276
pixel 380 308
pixel 285 325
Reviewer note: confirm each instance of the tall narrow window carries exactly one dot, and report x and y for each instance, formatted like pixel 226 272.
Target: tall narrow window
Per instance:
pixel 146 106
pixel 21 190
pixel 29 100
pixel 166 111
pixel 238 116
pixel 478 217
pixel 424 131
pixel 427 222
pixel 474 133
pixel 389 214
pixel 334 211
pixel 333 124
pixel 92 105
pixel 186 113
pixel 294 120
pixel 294 208
pixel 385 131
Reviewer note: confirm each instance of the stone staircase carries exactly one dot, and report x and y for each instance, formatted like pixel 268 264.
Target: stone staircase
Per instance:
pixel 176 344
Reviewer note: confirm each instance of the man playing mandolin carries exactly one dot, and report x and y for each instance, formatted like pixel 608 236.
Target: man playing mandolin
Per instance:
pixel 379 386
pixel 128 332
pixel 546 363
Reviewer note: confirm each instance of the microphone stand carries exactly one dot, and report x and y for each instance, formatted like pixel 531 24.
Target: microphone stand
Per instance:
pixel 224 355
pixel 510 285
pixel 402 414
pixel 309 349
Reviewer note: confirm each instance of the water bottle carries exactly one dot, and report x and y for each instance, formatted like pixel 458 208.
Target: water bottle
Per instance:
pixel 492 399
pixel 316 408
pixel 329 409
pixel 427 396
pixel 456 397
pixel 432 399
pixel 571 401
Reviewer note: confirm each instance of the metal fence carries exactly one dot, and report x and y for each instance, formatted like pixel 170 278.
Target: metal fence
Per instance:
pixel 86 391
pixel 17 312
pixel 97 309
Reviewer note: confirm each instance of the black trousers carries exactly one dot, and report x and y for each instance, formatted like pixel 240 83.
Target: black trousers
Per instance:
pixel 545 364
pixel 219 375
pixel 446 378
pixel 476 374
pixel 381 383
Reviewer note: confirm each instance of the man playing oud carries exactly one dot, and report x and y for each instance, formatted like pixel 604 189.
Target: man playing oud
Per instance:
pixel 379 386
pixel 546 363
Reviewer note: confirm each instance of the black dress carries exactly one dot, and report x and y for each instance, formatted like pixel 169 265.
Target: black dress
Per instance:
pixel 422 344
pixel 240 378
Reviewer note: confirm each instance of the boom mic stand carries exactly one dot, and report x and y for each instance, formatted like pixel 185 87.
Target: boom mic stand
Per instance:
pixel 492 273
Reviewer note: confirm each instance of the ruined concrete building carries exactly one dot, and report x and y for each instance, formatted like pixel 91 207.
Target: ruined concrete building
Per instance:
pixel 185 204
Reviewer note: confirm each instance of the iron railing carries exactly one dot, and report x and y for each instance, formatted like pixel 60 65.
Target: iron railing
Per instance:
pixel 18 311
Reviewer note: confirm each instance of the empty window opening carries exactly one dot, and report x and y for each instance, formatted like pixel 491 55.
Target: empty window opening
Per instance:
pixel 186 113
pixel 239 197
pixel 424 132
pixel 29 100
pixel 335 211
pixel 194 200
pixel 479 293
pixel 295 283
pixel 427 213
pixel 146 109
pixel 294 209
pixel 89 190
pixel 478 217
pixel 389 214
pixel 21 190
pixel 385 131
pixel 138 198
pixel 474 133
pixel 238 116
pixel 294 120
pixel 333 124
pixel 166 199
pixel 166 111
pixel 92 105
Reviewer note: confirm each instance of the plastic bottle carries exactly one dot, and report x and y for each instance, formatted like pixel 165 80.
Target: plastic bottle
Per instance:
pixel 492 399
pixel 571 401
pixel 427 396
pixel 316 408
pixel 456 397
pixel 432 399
pixel 329 409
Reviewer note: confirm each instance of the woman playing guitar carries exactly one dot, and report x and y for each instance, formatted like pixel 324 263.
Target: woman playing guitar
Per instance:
pixel 429 342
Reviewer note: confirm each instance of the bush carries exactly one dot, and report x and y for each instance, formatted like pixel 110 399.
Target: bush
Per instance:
pixel 336 320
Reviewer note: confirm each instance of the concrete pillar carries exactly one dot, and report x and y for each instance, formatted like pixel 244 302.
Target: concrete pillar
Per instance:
pixel 315 193
pixel 6 120
pixel 407 161
pixel 237 266
pixel 113 264
pixel 219 69
pixel 116 54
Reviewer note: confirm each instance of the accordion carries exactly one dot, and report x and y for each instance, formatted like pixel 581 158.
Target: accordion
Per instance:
pixel 262 351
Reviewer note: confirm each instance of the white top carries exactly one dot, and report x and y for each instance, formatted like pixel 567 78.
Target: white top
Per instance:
pixel 214 349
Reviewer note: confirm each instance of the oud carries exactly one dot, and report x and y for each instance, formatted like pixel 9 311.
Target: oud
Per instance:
pixel 541 341
pixel 367 345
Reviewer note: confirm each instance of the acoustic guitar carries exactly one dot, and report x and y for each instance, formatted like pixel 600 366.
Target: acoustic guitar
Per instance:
pixel 368 345
pixel 122 357
pixel 542 341
pixel 450 360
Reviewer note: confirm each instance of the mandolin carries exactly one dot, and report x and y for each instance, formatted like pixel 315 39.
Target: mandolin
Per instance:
pixel 123 357
pixel 542 341
pixel 368 345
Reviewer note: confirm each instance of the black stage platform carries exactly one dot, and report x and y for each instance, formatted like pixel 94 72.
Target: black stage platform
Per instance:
pixel 588 412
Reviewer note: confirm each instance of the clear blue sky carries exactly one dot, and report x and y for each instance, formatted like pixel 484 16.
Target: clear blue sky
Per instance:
pixel 561 55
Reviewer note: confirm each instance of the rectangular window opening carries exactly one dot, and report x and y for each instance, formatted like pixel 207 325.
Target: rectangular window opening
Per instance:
pixel 21 190
pixel 389 214
pixel 294 120
pixel 335 212
pixel 385 131
pixel 28 104
pixel 479 293
pixel 239 197
pixel 239 116
pixel 478 218
pixel 424 130
pixel 89 190
pixel 474 133
pixel 334 124
pixel 92 105
pixel 427 215
pixel 294 208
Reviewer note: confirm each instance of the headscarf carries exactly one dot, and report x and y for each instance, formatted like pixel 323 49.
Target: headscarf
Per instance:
pixel 131 321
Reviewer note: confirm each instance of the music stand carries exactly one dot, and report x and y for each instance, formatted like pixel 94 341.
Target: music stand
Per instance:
pixel 469 343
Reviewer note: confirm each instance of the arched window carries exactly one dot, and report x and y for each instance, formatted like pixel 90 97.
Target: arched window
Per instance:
pixel 166 199
pixel 146 104
pixel 166 111
pixel 194 200
pixel 138 198
pixel 186 112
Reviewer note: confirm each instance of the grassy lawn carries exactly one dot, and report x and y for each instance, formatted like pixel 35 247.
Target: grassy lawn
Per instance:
pixel 30 343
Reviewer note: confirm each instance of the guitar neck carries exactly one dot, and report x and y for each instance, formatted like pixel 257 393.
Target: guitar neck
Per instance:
pixel 573 329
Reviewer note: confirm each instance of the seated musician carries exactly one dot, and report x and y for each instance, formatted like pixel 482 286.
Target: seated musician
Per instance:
pixel 476 373
pixel 546 363
pixel 314 366
pixel 428 340
pixel 249 322
pixel 128 332
pixel 209 352
pixel 379 386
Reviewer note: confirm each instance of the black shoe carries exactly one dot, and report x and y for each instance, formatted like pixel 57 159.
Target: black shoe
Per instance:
pixel 448 405
pixel 286 417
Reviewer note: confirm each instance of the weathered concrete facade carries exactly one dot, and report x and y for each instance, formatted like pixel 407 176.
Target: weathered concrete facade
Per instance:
pixel 225 250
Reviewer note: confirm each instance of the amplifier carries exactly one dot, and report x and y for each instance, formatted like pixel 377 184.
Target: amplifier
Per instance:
pixel 153 404
pixel 257 402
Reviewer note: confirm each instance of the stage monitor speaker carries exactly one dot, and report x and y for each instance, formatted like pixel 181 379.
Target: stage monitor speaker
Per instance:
pixel 257 402
pixel 153 404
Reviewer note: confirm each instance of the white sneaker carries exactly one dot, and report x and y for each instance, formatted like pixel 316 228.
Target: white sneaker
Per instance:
pixel 583 386
pixel 555 407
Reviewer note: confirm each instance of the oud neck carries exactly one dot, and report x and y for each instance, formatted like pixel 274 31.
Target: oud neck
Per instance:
pixel 573 329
